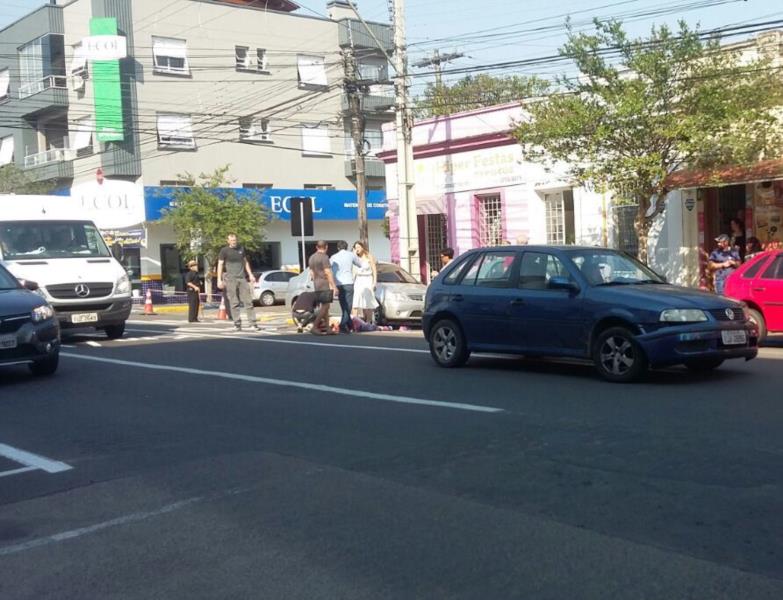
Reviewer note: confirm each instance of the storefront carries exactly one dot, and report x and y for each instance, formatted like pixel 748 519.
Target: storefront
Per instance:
pixel 334 216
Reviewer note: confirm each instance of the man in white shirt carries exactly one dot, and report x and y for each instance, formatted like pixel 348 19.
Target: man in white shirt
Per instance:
pixel 342 267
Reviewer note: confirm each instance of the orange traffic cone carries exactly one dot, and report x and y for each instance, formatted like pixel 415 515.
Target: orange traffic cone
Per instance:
pixel 222 316
pixel 148 310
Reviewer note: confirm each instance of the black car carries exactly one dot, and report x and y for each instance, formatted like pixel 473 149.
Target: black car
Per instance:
pixel 29 333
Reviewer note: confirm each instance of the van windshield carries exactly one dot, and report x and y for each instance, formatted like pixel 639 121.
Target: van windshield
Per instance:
pixel 31 240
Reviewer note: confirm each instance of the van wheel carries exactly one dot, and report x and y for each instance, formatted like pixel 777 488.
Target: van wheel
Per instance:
pixel 618 357
pixel 46 366
pixel 447 344
pixel 757 318
pixel 115 332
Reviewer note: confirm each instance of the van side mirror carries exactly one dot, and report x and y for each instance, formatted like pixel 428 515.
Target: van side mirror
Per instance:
pixel 118 251
pixel 559 282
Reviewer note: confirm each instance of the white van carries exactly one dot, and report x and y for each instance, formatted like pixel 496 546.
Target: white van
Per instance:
pixel 72 265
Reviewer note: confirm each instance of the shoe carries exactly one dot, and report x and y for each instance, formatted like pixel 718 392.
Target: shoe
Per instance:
pixel 237 326
pixel 299 330
pixel 255 327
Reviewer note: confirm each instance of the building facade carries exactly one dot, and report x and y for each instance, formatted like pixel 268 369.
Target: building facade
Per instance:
pixel 203 84
pixel 475 188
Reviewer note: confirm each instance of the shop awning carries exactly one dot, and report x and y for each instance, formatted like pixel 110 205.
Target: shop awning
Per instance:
pixel 760 171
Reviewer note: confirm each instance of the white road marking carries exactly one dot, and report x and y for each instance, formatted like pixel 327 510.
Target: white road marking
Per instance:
pixel 124 520
pixel 35 461
pixel 294 384
pixel 234 336
pixel 93 344
pixel 17 471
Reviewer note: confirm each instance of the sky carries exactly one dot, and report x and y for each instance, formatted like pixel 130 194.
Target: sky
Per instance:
pixel 488 32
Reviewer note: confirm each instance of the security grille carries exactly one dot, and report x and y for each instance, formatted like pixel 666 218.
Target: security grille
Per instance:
pixel 490 210
pixel 555 219
pixel 627 240
pixel 436 238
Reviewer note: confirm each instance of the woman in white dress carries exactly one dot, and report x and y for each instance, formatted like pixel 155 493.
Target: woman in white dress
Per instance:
pixel 364 302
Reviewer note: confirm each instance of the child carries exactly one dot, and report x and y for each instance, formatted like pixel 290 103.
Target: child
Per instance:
pixel 303 310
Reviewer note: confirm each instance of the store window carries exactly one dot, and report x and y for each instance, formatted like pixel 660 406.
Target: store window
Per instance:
pixel 172 268
pixel 266 258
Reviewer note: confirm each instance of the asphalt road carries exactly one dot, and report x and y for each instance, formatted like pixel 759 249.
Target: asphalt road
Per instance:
pixel 191 462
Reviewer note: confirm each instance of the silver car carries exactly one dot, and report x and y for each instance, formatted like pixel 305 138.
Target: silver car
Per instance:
pixel 271 287
pixel 400 296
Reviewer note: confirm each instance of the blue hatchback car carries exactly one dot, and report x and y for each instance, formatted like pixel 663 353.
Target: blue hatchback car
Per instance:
pixel 582 302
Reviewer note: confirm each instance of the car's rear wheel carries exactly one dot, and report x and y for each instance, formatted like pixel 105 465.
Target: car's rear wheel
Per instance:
pixel 115 332
pixel 704 364
pixel 757 318
pixel 46 366
pixel 618 356
pixel 267 299
pixel 447 344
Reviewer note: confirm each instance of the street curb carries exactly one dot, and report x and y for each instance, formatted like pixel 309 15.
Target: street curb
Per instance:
pixel 170 310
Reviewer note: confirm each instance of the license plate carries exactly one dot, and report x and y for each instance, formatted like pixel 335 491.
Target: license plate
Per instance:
pixel 84 318
pixel 731 338
pixel 7 342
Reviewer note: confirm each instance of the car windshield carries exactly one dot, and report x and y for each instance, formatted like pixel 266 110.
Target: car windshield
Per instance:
pixel 7 281
pixel 605 267
pixel 394 274
pixel 30 240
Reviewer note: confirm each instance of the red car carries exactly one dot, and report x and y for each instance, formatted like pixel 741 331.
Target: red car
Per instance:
pixel 759 283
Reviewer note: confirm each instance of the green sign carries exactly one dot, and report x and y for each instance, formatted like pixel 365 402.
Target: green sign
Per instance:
pixel 107 89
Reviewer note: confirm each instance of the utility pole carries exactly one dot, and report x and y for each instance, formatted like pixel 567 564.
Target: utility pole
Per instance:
pixel 435 61
pixel 352 88
pixel 406 198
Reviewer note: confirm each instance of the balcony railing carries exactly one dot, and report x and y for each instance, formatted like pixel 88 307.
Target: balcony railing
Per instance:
pixel 36 87
pixel 50 156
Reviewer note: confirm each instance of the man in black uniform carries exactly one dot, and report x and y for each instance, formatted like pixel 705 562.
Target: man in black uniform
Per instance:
pixel 193 285
pixel 233 262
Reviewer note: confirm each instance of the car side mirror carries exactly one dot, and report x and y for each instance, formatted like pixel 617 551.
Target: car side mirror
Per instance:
pixel 29 285
pixel 558 282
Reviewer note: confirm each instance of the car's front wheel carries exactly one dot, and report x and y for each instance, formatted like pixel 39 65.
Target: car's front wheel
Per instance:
pixel 46 366
pixel 447 344
pixel 704 364
pixel 618 356
pixel 267 299
pixel 757 318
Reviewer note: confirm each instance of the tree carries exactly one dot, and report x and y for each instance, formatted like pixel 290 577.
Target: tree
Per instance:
pixel 15 181
pixel 476 92
pixel 642 108
pixel 204 215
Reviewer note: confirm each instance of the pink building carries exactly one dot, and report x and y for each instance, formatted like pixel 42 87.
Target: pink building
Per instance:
pixel 474 188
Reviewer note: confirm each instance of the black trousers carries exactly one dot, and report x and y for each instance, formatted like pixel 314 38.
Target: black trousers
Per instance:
pixel 345 296
pixel 193 305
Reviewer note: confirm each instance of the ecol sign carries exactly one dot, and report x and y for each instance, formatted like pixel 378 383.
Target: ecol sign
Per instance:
pixel 105 47
pixel 282 204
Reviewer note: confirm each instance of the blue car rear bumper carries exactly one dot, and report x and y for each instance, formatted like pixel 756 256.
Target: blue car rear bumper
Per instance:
pixel 677 345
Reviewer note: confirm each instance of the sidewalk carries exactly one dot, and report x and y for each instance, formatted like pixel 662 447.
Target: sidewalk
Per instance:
pixel 272 314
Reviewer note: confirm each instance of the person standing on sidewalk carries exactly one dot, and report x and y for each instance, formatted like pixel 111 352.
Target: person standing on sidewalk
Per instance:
pixel 193 285
pixel 324 286
pixel 342 268
pixel 233 262
pixel 723 261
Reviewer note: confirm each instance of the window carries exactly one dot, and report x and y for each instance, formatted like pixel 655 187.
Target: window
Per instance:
pixel 175 131
pixel 754 269
pixel 317 186
pixel 560 218
pixel 254 129
pixel 315 141
pixel 435 238
pixel 173 183
pixel 81 137
pixel 5 84
pixel 457 270
pixel 490 220
pixel 78 68
pixel 257 186
pixel 373 137
pixel 279 277
pixel 537 268
pixel 311 71
pixel 492 270
pixel 6 150
pixel 246 61
pixel 373 70
pixel 774 270
pixel 170 56
pixel 42 65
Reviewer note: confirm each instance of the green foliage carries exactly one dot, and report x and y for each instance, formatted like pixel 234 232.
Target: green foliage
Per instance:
pixel 202 218
pixel 478 91
pixel 643 108
pixel 15 181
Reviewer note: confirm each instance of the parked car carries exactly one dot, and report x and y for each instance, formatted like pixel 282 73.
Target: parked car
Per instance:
pixel 759 284
pixel 400 296
pixel 271 286
pixel 29 332
pixel 591 303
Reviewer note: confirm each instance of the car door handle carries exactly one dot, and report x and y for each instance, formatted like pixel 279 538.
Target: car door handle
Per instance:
pixel 517 302
pixel 458 298
pixel 759 289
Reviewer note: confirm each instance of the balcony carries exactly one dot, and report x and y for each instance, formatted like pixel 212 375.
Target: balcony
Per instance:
pixel 372 167
pixel 49 156
pixel 354 33
pixel 54 82
pixel 372 103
